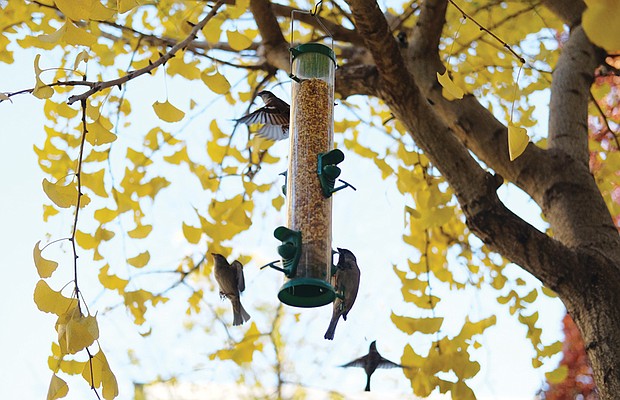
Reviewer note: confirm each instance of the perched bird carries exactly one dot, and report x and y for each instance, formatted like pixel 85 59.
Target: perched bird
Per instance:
pixel 347 283
pixel 231 281
pixel 274 115
pixel 370 362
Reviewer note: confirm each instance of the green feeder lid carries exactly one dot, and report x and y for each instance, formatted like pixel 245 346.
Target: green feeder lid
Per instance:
pixel 306 292
pixel 314 48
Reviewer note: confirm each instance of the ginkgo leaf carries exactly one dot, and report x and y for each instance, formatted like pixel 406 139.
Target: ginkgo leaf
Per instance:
pixel 125 5
pixel 243 352
pixel 84 10
pixel 76 331
pixel 70 34
pixel 216 82
pixel 238 41
pixel 600 23
pixel 140 260
pixel 450 91
pixel 192 234
pixel 98 373
pixel 45 268
pixel 82 56
pixel 558 375
pixel 4 96
pixel 412 325
pixel 167 112
pixel 517 141
pixel 41 90
pixel 140 232
pixel 64 196
pixel 57 389
pixel 51 301
pixel 54 37
pixel 98 135
pixel 111 281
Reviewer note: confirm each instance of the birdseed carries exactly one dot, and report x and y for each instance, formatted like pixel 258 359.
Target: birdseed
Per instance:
pixel 308 210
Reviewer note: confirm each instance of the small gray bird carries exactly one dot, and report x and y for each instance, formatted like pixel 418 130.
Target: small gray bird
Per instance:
pixel 231 281
pixel 347 283
pixel 274 115
pixel 370 362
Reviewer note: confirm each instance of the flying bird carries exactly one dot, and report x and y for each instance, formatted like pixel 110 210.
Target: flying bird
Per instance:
pixel 347 283
pixel 370 362
pixel 274 116
pixel 231 281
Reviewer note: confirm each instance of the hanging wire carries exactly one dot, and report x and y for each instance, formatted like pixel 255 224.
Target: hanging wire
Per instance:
pixel 313 13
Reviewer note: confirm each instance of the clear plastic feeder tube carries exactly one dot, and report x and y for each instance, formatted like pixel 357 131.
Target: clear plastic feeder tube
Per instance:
pixel 311 133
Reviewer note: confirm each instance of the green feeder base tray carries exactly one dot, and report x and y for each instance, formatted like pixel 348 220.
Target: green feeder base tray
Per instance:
pixel 306 292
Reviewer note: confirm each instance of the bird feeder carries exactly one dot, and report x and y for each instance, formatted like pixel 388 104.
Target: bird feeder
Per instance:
pixel 306 249
pixel 306 241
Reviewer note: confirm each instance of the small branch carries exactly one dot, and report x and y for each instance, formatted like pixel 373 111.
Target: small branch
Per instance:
pixel 160 61
pixel 605 120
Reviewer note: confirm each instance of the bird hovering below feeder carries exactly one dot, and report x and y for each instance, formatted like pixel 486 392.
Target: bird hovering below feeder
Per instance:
pixel 231 281
pixel 370 362
pixel 274 116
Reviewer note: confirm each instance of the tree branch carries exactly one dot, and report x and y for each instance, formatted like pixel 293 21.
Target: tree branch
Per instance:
pixel 160 61
pixel 570 95
pixel 337 31
pixel 569 11
pixel 274 47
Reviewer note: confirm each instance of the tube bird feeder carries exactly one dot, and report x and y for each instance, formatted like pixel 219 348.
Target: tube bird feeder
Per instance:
pixel 306 250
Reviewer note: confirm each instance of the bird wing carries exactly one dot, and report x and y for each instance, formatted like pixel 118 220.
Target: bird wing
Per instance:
pixel 385 363
pixel 360 362
pixel 273 132
pixel 266 115
pixel 238 267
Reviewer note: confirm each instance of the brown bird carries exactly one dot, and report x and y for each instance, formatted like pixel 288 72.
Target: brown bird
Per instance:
pixel 274 115
pixel 370 362
pixel 347 283
pixel 231 281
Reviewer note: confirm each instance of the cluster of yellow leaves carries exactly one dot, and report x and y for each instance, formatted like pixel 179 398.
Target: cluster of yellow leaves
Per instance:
pixel 445 355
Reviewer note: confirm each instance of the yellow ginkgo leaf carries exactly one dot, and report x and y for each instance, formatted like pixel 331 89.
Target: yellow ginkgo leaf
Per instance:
pixel 4 96
pixel 70 34
pixel 98 373
pixel 191 233
pixel 167 112
pixel 62 196
pixel 112 282
pixel 57 389
pixel 517 141
pixel 216 82
pixel 45 268
pixel 82 56
pixel 558 375
pixel 450 91
pixel 76 331
pixel 140 260
pixel 412 325
pixel 140 232
pixel 98 135
pixel 40 90
pixel 125 5
pixel 600 23
pixel 238 41
pixel 51 301
pixel 54 37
